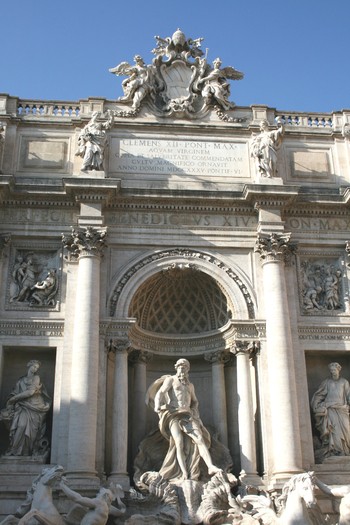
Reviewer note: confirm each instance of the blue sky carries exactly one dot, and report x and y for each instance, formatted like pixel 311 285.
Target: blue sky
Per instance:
pixel 294 53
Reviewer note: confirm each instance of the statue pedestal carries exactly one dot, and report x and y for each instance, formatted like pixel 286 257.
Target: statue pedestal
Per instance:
pixel 335 470
pixel 271 181
pixel 91 174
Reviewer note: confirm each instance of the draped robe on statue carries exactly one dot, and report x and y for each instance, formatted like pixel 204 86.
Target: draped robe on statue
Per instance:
pixel 189 421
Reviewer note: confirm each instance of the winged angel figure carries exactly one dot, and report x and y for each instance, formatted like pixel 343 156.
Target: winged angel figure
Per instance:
pixel 140 83
pixel 216 89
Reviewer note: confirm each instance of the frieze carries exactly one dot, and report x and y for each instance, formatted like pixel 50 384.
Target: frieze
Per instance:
pixel 175 219
pixel 318 224
pixel 15 215
pixel 318 333
pixel 186 253
pixel 32 328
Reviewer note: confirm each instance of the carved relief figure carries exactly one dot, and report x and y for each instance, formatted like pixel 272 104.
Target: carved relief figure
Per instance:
pixel 26 278
pixel 264 148
pixel 321 287
pixel 138 85
pixel 44 292
pixel 176 403
pixel 216 89
pixel 330 405
pixel 92 142
pixel 25 414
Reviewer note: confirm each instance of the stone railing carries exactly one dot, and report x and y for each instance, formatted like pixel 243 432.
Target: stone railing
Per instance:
pixel 309 120
pixel 52 108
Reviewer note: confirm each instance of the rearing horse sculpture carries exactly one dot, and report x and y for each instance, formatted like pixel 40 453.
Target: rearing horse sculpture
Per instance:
pixel 297 502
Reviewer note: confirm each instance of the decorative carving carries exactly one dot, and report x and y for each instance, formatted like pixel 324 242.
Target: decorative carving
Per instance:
pixel 25 415
pixel 274 247
pixel 94 510
pixel 297 504
pixel 346 130
pixel 175 401
pixel 5 238
pixel 186 253
pixel 85 241
pixel 39 506
pixel 119 346
pixel 31 284
pixel 264 148
pixel 92 142
pixel 216 89
pixel 140 356
pixel 179 82
pixel 321 287
pixel 221 357
pixel 330 406
pixel 250 348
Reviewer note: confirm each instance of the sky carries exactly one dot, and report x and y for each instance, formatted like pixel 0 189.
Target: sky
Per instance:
pixel 294 53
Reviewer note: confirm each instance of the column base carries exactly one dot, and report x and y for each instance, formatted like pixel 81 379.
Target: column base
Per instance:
pixel 120 478
pixel 278 479
pixel 83 480
pixel 250 479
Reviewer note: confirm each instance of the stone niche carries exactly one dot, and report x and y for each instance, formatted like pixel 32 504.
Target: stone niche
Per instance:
pixel 15 366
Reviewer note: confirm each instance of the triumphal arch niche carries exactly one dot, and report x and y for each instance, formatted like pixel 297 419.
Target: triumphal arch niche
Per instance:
pixel 174 295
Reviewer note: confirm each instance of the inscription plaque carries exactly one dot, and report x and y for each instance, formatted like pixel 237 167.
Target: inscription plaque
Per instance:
pixel 179 157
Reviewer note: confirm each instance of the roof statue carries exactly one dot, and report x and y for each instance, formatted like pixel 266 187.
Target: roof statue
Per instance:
pixel 179 83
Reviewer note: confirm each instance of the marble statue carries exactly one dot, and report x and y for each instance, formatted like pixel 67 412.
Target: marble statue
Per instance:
pixel 216 88
pixel 92 142
pixel 39 506
pixel 96 510
pixel 176 403
pixel 44 292
pixel 330 406
pixel 138 85
pixel 342 492
pixel 25 414
pixel 264 147
pixel 297 504
pixel 179 82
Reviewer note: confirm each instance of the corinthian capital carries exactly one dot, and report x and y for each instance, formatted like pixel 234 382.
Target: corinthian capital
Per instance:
pixel 249 348
pixel 220 357
pixel 85 241
pixel 274 247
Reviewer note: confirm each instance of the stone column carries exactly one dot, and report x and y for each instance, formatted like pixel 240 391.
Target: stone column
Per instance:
pixel 119 458
pixel 275 250
pixel 244 350
pixel 86 245
pixel 218 360
pixel 139 409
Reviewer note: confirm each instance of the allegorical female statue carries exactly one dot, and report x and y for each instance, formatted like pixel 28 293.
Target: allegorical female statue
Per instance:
pixel 25 414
